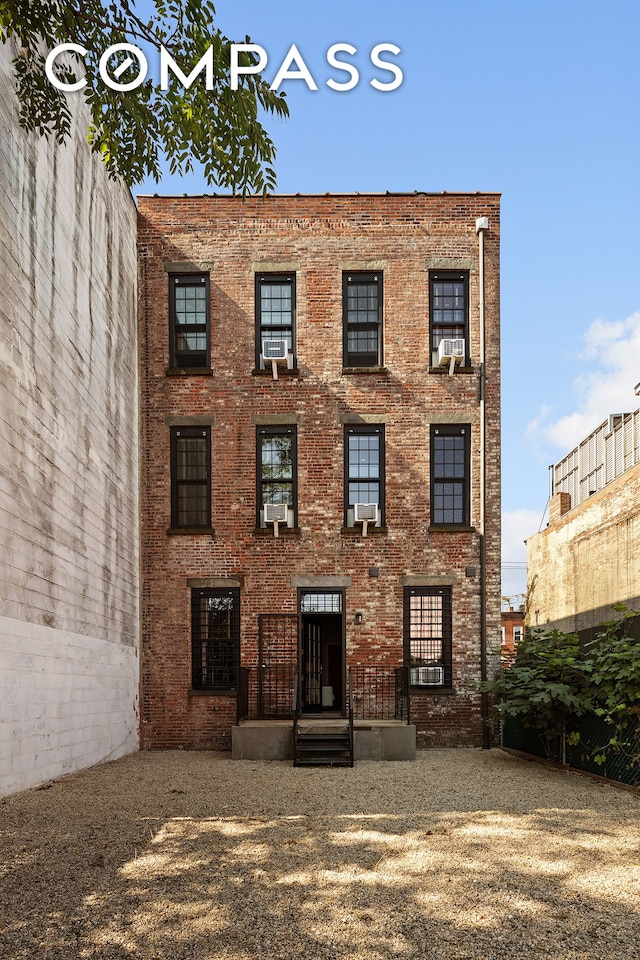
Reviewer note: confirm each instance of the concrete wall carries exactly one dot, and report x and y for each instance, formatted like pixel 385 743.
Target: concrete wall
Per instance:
pixel 587 559
pixel 69 610
pixel 319 237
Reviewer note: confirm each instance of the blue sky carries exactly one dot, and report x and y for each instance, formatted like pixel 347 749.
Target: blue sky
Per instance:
pixel 539 101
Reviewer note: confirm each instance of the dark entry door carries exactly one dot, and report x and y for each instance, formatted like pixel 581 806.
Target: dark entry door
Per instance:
pixel 321 661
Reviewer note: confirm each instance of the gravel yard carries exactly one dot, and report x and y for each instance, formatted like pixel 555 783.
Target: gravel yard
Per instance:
pixel 463 854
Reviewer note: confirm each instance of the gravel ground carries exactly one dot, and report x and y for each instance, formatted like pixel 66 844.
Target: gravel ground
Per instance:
pixel 463 854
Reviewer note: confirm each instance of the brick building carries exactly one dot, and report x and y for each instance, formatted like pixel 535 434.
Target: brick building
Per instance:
pixel 587 558
pixel 512 630
pixel 332 514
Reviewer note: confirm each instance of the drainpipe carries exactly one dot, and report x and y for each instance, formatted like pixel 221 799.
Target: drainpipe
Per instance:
pixel 482 224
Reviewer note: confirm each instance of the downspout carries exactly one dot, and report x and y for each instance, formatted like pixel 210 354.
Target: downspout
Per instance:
pixel 482 224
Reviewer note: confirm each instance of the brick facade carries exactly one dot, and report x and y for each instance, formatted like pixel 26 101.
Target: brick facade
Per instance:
pixel 317 238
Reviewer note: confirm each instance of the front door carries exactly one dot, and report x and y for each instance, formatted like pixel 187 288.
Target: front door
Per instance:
pixel 322 652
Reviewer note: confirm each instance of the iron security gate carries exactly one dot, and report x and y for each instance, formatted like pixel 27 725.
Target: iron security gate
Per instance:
pixel 278 644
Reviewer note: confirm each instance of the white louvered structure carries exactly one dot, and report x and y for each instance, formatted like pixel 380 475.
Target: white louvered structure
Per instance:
pixel 612 449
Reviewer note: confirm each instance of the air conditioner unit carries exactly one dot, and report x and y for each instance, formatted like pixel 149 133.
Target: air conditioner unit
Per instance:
pixel 449 350
pixel 365 513
pixel 427 676
pixel 276 512
pixel 275 350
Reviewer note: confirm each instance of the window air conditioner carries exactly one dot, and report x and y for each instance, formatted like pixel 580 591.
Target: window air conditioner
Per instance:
pixel 365 513
pixel 427 676
pixel 449 350
pixel 275 350
pixel 276 512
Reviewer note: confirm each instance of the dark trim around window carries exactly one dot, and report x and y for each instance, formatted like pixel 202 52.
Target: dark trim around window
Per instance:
pixel 364 469
pixel 215 638
pixel 191 478
pixel 189 321
pixel 450 474
pixel 277 470
pixel 448 310
pixel 427 632
pixel 362 319
pixel 275 308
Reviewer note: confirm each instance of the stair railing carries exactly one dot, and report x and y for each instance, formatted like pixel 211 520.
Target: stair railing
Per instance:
pixel 296 682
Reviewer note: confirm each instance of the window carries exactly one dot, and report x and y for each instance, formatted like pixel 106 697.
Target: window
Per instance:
pixel 427 635
pixel 517 635
pixel 364 469
pixel 189 320
pixel 277 469
pixel 190 477
pixel 215 638
pixel 275 310
pixel 450 445
pixel 449 304
pixel 362 319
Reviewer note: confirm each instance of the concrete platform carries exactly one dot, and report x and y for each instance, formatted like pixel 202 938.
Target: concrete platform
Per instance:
pixel 273 739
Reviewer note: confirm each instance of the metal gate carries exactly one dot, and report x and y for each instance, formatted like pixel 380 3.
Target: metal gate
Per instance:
pixel 278 646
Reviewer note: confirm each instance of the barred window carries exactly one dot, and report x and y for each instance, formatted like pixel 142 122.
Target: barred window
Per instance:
pixel 362 319
pixel 427 635
pixel 215 638
pixel 189 320
pixel 190 477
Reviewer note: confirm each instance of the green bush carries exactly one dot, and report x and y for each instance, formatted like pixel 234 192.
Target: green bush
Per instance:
pixel 553 679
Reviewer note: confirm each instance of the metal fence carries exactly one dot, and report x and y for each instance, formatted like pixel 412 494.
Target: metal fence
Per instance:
pixel 621 763
pixel 380 693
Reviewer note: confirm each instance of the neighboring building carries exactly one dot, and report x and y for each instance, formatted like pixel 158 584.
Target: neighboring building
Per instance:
pixel 319 514
pixel 512 630
pixel 587 558
pixel 69 581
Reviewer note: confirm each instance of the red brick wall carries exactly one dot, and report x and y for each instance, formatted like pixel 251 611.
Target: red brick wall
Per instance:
pixel 321 235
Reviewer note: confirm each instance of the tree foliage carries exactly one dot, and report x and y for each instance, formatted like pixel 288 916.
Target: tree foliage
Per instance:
pixel 135 131
pixel 553 680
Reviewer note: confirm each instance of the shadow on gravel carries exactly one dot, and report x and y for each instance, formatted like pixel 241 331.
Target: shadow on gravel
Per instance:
pixel 140 867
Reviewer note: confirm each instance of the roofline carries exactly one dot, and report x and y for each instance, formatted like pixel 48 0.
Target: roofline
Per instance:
pixel 355 193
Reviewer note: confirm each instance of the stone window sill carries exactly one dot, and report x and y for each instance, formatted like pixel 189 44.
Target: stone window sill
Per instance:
pixel 282 531
pixel 451 528
pixel 356 370
pixel 189 372
pixel 371 531
pixel 191 532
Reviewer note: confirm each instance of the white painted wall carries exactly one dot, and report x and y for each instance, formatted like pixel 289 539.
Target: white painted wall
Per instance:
pixel 69 581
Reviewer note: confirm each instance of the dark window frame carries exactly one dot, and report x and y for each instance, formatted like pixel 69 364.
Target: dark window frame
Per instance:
pixel 178 521
pixel 274 279
pixel 435 327
pixel 265 431
pixel 439 477
pixel 364 429
pixel 352 278
pixel 429 644
pixel 197 359
pixel 215 659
